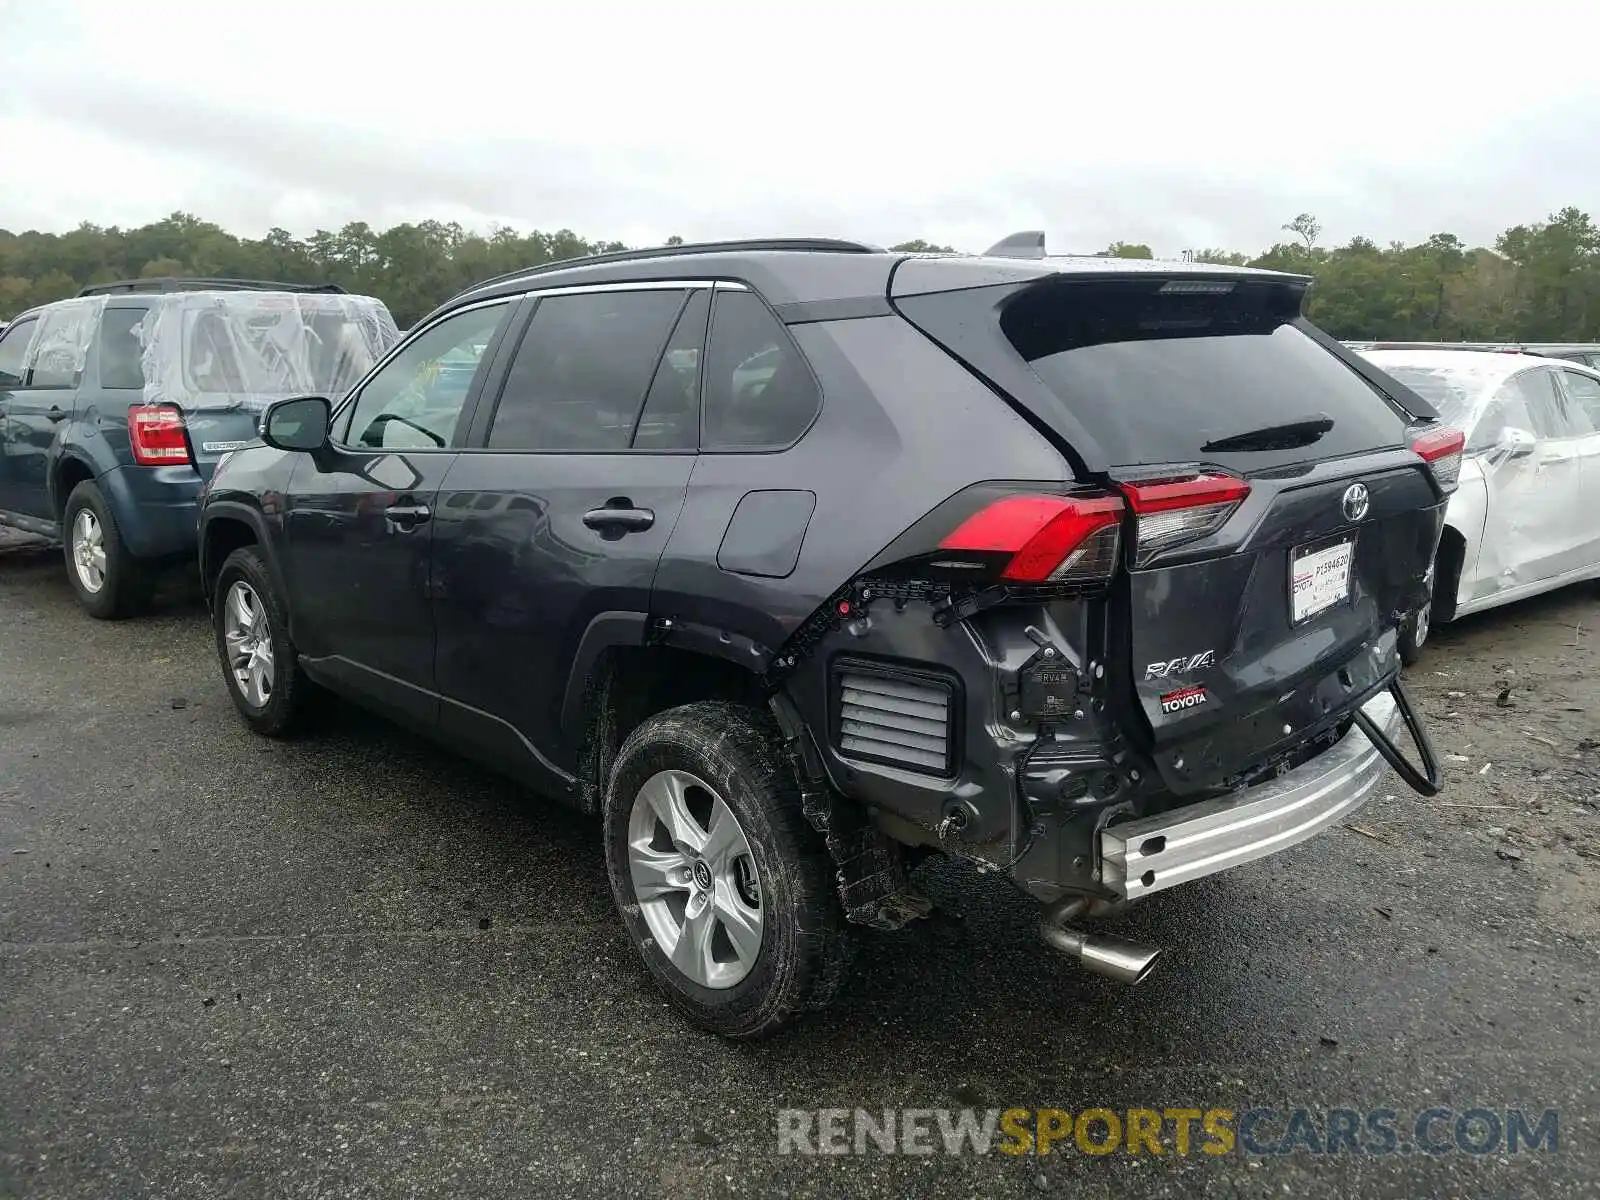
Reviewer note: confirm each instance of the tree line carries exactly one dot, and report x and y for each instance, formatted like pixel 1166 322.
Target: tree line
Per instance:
pixel 1538 282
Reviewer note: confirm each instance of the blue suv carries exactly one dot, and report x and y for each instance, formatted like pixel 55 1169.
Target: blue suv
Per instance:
pixel 116 405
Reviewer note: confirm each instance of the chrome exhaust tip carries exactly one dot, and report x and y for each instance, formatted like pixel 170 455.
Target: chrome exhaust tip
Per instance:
pixel 1114 957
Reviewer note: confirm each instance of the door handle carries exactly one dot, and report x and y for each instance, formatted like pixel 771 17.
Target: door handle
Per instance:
pixel 406 517
pixel 57 413
pixel 619 520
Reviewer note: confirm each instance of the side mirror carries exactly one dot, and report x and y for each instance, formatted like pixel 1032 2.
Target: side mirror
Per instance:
pixel 299 424
pixel 1517 443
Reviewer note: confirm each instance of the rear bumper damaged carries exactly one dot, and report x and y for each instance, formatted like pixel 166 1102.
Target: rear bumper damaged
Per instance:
pixel 1154 853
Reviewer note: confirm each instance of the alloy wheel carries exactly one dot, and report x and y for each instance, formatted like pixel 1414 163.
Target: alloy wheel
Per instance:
pixel 695 879
pixel 89 550
pixel 248 637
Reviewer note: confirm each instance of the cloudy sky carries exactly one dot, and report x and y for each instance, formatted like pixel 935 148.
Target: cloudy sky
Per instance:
pixel 1181 125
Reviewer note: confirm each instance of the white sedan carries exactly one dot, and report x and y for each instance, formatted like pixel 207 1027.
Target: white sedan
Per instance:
pixel 1524 518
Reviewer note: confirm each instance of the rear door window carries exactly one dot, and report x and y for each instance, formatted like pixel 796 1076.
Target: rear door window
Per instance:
pixel 582 370
pixel 121 351
pixel 671 416
pixel 1552 416
pixel 1156 369
pixel 1585 394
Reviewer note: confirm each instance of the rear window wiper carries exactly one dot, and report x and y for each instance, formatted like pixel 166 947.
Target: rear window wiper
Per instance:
pixel 1288 435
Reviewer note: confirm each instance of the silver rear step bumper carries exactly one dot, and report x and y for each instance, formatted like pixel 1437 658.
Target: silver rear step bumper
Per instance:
pixel 1155 853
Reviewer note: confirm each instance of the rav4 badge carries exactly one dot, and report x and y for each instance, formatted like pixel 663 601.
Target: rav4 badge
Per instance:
pixel 1180 666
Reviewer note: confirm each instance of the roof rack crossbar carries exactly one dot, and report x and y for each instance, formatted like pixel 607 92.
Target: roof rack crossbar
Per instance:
pixel 824 245
pixel 200 283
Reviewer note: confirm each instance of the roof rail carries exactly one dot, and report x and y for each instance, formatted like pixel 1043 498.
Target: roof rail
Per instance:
pixel 174 283
pixel 814 245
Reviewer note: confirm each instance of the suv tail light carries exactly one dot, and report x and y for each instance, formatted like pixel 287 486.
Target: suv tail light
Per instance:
pixel 1170 512
pixel 1441 447
pixel 1045 539
pixel 156 433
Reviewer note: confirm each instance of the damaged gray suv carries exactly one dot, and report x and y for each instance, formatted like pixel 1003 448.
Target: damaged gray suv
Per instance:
pixel 798 561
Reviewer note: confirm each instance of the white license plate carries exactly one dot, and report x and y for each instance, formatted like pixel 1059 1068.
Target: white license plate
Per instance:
pixel 1319 579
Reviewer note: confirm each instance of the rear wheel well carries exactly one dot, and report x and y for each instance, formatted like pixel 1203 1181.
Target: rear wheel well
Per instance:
pixel 1447 564
pixel 224 535
pixel 630 684
pixel 70 472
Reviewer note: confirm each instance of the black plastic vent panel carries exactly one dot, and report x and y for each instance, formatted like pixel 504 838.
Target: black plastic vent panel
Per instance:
pixel 896 717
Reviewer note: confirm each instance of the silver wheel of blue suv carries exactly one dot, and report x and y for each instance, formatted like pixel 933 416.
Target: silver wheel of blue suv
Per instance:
pixel 797 562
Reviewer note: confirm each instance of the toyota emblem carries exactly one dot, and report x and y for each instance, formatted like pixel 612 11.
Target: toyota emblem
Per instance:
pixel 1356 502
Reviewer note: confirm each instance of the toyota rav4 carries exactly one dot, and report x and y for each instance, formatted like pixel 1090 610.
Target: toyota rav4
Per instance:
pixel 798 561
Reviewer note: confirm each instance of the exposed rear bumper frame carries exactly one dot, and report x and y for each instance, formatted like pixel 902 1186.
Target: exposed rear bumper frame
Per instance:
pixel 1154 853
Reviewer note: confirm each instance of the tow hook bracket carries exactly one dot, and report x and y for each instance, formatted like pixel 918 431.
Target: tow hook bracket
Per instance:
pixel 1425 782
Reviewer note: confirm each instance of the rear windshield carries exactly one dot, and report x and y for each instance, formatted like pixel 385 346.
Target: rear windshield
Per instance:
pixel 1156 369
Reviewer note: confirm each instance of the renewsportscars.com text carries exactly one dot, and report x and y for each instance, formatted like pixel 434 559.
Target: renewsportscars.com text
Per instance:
pixel 1170 1131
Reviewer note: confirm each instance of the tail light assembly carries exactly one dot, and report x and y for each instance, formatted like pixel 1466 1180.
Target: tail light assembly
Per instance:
pixel 997 534
pixel 1171 512
pixel 157 436
pixel 1441 448
pixel 1034 539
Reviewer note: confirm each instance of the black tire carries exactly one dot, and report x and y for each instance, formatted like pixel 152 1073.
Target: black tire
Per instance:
pixel 285 704
pixel 1414 631
pixel 1410 642
pixel 126 582
pixel 806 944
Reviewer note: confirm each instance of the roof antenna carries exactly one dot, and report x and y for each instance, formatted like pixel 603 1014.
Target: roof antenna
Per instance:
pixel 1028 244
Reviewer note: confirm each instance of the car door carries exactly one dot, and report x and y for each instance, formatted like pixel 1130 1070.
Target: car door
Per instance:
pixel 558 510
pixel 1532 532
pixel 36 410
pixel 359 516
pixel 1583 405
pixel 13 371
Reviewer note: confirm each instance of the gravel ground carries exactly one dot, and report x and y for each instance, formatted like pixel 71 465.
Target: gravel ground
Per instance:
pixel 355 966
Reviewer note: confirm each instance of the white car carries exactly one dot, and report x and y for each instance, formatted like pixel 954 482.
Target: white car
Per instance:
pixel 1522 521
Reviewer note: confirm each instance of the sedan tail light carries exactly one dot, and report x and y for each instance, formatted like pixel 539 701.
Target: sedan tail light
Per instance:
pixel 1440 447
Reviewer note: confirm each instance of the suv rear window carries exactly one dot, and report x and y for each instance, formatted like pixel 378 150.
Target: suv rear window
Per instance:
pixel 1155 369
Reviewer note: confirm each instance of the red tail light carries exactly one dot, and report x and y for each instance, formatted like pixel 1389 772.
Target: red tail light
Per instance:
pixel 156 434
pixel 1441 448
pixel 1045 539
pixel 1171 512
